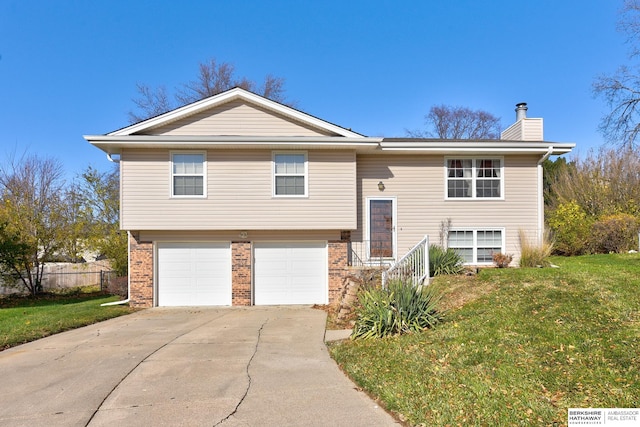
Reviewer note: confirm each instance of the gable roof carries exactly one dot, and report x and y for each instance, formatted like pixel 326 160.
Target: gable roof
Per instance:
pixel 229 96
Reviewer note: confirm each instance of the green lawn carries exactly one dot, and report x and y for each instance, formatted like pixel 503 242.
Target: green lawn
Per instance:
pixel 28 319
pixel 518 347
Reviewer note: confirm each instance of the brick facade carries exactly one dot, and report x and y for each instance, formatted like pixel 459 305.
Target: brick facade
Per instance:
pixel 140 273
pixel 241 273
pixel 338 252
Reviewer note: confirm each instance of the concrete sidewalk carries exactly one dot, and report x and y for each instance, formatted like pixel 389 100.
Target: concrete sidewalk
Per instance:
pixel 249 366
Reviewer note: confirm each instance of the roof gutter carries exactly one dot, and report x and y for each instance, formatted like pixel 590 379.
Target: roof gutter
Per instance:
pixel 410 146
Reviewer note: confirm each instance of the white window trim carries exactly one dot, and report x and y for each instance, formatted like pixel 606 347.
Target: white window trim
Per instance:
pixel 204 175
pixel 273 175
pixel 475 241
pixel 474 178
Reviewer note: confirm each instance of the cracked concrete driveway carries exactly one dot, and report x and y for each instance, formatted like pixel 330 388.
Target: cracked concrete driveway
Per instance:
pixel 254 366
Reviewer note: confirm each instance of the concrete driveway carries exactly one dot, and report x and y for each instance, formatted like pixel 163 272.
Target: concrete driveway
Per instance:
pixel 249 366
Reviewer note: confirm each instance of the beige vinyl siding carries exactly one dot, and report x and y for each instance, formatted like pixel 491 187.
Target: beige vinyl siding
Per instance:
pixel 236 118
pixel 524 130
pixel 513 132
pixel 418 184
pixel 239 193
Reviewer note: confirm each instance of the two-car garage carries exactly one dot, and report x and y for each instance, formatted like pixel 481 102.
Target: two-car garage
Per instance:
pixel 199 274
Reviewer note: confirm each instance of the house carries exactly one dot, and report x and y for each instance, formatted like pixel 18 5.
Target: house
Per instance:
pixel 240 200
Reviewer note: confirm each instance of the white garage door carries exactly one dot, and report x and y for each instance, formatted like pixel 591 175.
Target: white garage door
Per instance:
pixel 194 274
pixel 290 273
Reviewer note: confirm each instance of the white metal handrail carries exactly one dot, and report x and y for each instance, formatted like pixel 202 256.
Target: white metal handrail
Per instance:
pixel 413 266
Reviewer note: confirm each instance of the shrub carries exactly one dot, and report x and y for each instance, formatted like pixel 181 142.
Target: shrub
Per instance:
pixel 444 261
pixel 534 255
pixel 398 309
pixel 502 260
pixel 571 227
pixel 604 182
pixel 614 233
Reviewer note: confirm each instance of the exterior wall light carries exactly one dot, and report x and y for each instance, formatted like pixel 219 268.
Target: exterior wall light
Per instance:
pixel 381 186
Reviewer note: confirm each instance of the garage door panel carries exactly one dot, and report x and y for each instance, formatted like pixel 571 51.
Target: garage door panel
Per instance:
pixel 194 274
pixel 290 273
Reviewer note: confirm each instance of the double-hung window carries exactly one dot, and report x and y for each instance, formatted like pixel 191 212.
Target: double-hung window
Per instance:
pixel 477 246
pixel 290 174
pixel 188 174
pixel 469 178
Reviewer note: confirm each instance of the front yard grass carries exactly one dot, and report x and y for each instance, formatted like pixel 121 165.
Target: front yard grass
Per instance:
pixel 27 319
pixel 517 347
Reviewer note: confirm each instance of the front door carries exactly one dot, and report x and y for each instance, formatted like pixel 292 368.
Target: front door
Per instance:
pixel 381 228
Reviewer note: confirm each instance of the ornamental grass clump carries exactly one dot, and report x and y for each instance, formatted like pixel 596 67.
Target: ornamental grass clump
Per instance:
pixel 534 255
pixel 444 261
pixel 400 308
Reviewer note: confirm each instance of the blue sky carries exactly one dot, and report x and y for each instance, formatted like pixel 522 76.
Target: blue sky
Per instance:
pixel 69 68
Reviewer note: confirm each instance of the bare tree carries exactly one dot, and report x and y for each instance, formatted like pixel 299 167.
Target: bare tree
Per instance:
pixel 273 88
pixel 213 77
pixel 150 103
pixel 621 90
pixel 447 122
pixel 603 183
pixel 32 216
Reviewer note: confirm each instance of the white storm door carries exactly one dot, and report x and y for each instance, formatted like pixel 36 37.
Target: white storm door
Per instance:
pixel 381 225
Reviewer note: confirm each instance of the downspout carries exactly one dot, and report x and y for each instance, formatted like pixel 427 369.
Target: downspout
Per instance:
pixel 128 277
pixel 112 160
pixel 544 157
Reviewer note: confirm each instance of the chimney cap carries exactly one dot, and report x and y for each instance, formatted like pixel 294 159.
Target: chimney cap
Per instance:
pixel 521 110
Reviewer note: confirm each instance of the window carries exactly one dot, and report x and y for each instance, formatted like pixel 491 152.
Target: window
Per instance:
pixel 290 174
pixel 474 178
pixel 477 246
pixel 188 174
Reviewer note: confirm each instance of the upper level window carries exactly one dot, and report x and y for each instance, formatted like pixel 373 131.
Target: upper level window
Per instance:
pixel 290 174
pixel 474 178
pixel 188 174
